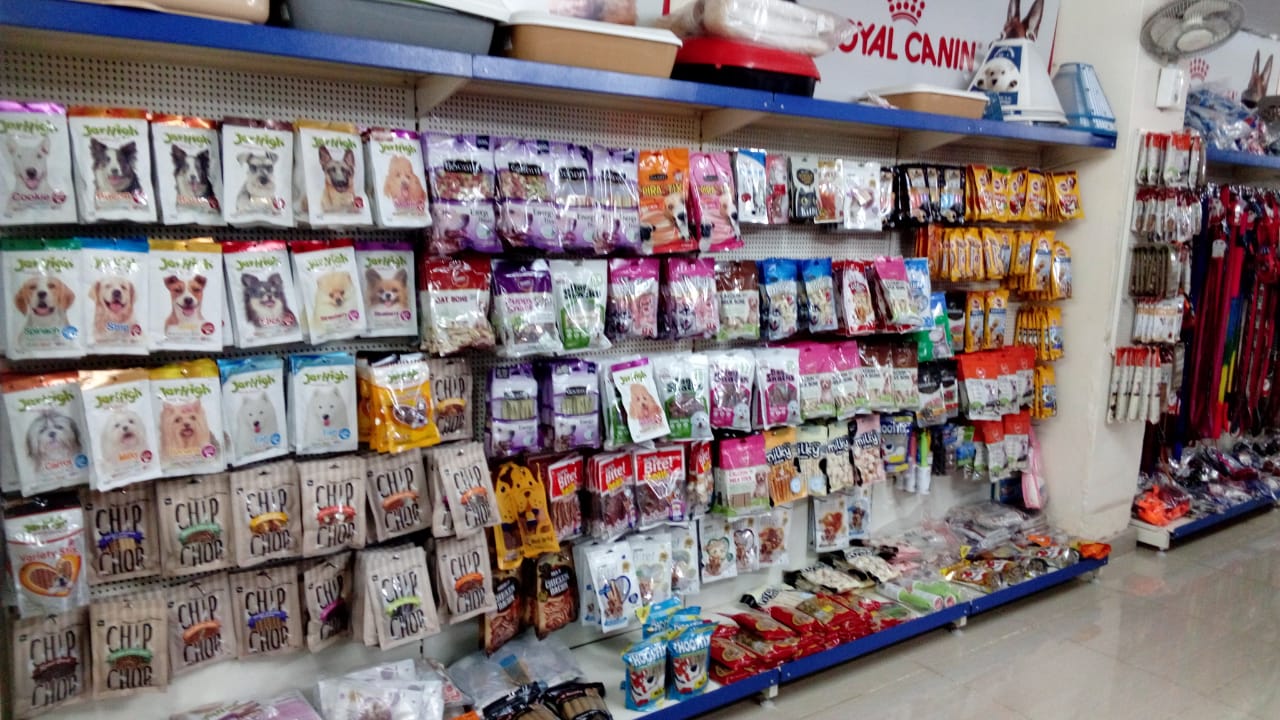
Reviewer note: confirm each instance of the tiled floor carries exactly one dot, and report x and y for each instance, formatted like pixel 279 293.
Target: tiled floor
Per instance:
pixel 1194 633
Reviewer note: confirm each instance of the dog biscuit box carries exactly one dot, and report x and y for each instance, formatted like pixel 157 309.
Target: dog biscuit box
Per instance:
pixel 122 428
pixel 396 174
pixel 187 399
pixel 111 149
pixel 35 165
pixel 187 295
pixel 323 397
pixel 257 172
pixel 188 170
pixel 113 272
pixel 253 392
pixel 262 294
pixel 326 276
pixel 387 281
pixel 45 308
pixel 50 445
pixel 328 176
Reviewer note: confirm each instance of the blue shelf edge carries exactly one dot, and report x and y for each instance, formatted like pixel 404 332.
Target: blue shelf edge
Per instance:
pixel 986 603
pixel 722 696
pixel 818 662
pixel 1235 158
pixel 1209 521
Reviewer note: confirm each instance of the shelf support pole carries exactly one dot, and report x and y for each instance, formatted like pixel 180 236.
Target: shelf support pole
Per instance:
pixel 717 123
pixel 435 89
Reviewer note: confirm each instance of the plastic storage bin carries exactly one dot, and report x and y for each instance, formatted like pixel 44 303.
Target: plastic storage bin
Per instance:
pixel 402 21
pixel 586 43
pixel 934 99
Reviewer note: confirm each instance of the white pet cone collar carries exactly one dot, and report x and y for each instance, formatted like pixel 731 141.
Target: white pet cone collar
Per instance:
pixel 1015 72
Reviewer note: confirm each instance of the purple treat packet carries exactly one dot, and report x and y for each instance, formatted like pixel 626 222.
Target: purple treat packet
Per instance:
pixel 575 201
pixel 569 396
pixel 524 308
pixel 617 191
pixel 462 189
pixel 513 412
pixel 527 194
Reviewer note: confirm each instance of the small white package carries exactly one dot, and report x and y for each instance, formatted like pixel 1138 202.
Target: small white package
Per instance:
pixel 326 277
pixel 187 399
pixel 187 299
pixel 328 176
pixel 255 426
pixel 257 172
pixel 387 283
pixel 35 165
pixel 322 393
pixel 121 427
pixel 46 317
pixel 49 445
pixel 114 275
pixel 261 292
pixel 395 172
pixel 111 150
pixel 188 170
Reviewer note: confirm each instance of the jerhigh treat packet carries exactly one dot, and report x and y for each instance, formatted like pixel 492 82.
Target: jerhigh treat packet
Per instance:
pixel 122 533
pixel 50 663
pixel 46 558
pixel 130 645
pixel 201 631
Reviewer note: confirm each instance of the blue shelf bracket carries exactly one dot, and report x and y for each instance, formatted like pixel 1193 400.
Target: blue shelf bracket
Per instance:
pixel 914 143
pixel 721 122
pixel 432 90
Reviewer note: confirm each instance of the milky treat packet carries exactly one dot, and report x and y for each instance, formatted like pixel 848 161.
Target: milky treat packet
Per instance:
pixel 257 172
pixel 189 169
pixel 50 663
pixel 462 194
pixel 394 164
pixel 195 525
pixel 130 641
pixel 267 611
pixel 387 284
pixel 333 516
pixel 112 152
pixel 201 625
pixel 35 164
pixel 266 513
pixel 122 534
pixel 524 308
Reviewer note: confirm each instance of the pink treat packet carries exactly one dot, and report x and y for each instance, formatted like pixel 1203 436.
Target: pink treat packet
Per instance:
pixel 713 202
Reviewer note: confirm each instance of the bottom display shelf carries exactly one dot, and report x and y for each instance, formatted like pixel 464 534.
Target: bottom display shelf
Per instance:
pixel 1162 537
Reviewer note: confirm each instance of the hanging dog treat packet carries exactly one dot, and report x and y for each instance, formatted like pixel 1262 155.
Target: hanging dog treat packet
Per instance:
pixel 113 270
pixel 646 668
pixel 398 586
pixel 329 176
pixel 46 548
pixel 617 196
pixel 818 381
pixel 49 437
pixel 9 480
pixel 454 293
pixel 581 293
pixel 399 399
pixel 122 534
pixel 50 663
pixel 660 482
pixel 563 478
pixel 689 299
pixel 732 380
pixel 451 390
pixel 195 525
pixel 253 391
pixel 611 489
pixel 35 164
pixel 513 411
pixel 652 557
pixel 819 294
pixel 463 475
pixel 664 189
pixel 614 583
pixel 186 290
pixel 556 594
pixel 393 158
pixel 742 475
pixel 387 286
pixel 461 173
pixel 267 611
pixel 779 298
pixel 188 170
pixel 737 300
pixel 828 524
pixel 569 400
pixel 700 487
pixel 261 293
pixel 867 445
pixel 47 318
pixel 526 194
pixel 635 384
pixel 746 545
pixel 326 274
pixel 575 199
pixel 328 590
pixel 777 387
pixel 616 433
pixel 522 504
pixel 323 397
pixel 201 628
pixel 836 462
pixel 187 399
pixel 462 566
pixel 786 484
pixel 111 148
pixel 266 513
pixel 130 641
pixel 752 186
pixel 633 298
pixel 441 517
pixel 118 403
pixel 397 491
pixel 501 626
pixel 684 382
pixel 714 204
pixel 855 309
pixel 524 308
pixel 715 536
pixel 333 516
pixel 257 172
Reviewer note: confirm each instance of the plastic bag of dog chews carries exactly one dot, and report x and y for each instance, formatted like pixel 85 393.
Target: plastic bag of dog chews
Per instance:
pixel 261 293
pixel 112 152
pixel 187 295
pixel 253 391
pixel 47 316
pixel 188 403
pixel 188 170
pixel 394 170
pixel 387 282
pixel 46 556
pixel 617 194
pixel 49 439
pixel 326 275
pixel 526 194
pixel 257 172
pixel 115 272
pixel 122 427
pixel 322 390
pixel 462 194
pixel 715 208
pixel 664 189
pixel 35 165
pixel 328 175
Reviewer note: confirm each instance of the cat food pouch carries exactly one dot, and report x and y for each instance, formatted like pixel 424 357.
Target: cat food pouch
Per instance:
pixel 454 293
pixel 398 587
pixel 524 308
pixel 202 628
pixel 397 492
pixel 122 533
pixel 328 592
pixel 195 525
pixel 111 148
pixel 35 164
pixel 130 641
pixel 737 300
pixel 323 397
pixel 329 176
pixel 732 380
pixel 123 434
pixel 48 317
pixel 326 274
pixel 49 437
pixel 664 192
pixel 581 292
pixel 633 298
pixel 50 663
pixel 187 400
pixel 689 298
pixel 617 191
pixel 46 556
pixel 777 387
pixel 253 391
pixel 462 567
pixel 188 170
pixel 684 386
pixel 569 404
pixel 113 271
pixel 187 295
pixel 779 298
pixel 527 179
pixel 261 293
pixel 333 516
pixel 575 198
pixel 463 476
pixel 462 194
pixel 387 286
pixel 266 513
pixel 714 204
pixel 257 172
pixel 394 178
pixel 513 411
pixel 635 385
pixel 451 390
pixel 267 611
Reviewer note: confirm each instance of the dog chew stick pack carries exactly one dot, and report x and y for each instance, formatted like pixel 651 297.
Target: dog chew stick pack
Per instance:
pixel 328 176
pixel 111 148
pixel 322 393
pixel 187 400
pixel 187 295
pixel 253 392
pixel 394 172
pixel 188 170
pixel 130 641
pixel 326 277
pixel 261 293
pixel 333 498
pixel 123 537
pixel 50 662
pixel 257 172
pixel 46 318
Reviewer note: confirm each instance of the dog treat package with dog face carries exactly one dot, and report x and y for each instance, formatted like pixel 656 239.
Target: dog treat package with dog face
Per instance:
pixel 451 391
pixel 581 293
pixel 326 275
pixel 35 164
pixel 664 192
pixel 738 300
pixel 611 488
pixel 123 435
pixel 187 399
pixel 732 379
pixel 818 381
pixel 524 308
pixel 563 478
pixel 397 491
pixel 111 148
pixel 715 536
pixel 779 298
pixel 742 475
pixel 660 486
pixel 253 410
pixel 50 663
pixel 257 172
pixel 893 294
pixel 185 283
pixel 613 577
pixel 114 270
pixel 46 318
pixel 462 476
pixel 652 556
pixel 188 170
pixel 575 198
pixel 522 503
pixel 122 538
pixel 462 194
pixel 323 397
pixel 333 516
pixel 195 525
pixel 46 548
pixel 527 215
pixel 819 293
pixel 201 627
pixel 397 584
pixel 617 192
pixel 262 293
pixel 267 611
pixel 462 567
pixel 689 299
pixel 777 387
pixel 855 310
pixel 328 592
pixel 513 411
pixel 394 164
pixel 387 285
pixel 684 385
pixel 633 298
pixel 715 206
pixel 454 293
pixel 130 641
pixel 50 442
pixel 266 513
pixel 635 385
pixel 569 404
pixel 329 176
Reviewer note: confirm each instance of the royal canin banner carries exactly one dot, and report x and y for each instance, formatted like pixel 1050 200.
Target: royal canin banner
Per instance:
pixel 1244 66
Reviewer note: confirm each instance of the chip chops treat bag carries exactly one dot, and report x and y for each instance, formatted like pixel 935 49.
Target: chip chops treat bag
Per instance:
pixel 50 662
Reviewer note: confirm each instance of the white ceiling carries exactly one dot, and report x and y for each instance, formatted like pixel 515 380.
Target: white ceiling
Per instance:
pixel 1262 16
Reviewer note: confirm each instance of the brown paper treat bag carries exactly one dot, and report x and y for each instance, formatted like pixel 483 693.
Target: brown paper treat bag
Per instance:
pixel 327 592
pixel 441 518
pixel 451 388
pixel 130 641
pixel 266 513
pixel 50 663
pixel 464 475
pixel 268 615
pixel 194 516
pixel 333 517
pixel 201 629
pixel 397 493
pixel 121 527
pixel 399 587
pixel 462 566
